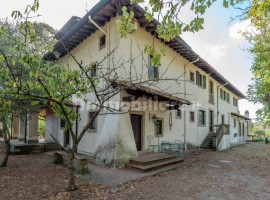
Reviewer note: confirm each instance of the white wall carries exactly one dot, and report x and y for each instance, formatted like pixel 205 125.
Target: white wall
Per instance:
pixel 88 51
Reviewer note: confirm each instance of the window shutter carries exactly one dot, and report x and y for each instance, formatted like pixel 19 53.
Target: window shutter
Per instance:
pixel 204 82
pixel 197 78
pixel 156 72
pixel 221 93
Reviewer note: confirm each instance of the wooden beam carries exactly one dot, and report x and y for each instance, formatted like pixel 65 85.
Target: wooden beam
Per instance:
pixel 101 18
pixel 129 98
pixel 71 42
pixel 108 13
pixel 150 29
pixel 75 40
pixel 109 7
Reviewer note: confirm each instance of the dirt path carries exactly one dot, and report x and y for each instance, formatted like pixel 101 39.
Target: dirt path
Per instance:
pixel 240 173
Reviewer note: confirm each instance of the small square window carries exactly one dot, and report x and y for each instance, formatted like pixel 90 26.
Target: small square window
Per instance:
pixel 178 114
pixel 191 77
pixel 102 42
pixel 192 116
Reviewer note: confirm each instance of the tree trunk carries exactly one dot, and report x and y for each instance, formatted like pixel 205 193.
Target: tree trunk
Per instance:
pixel 7 144
pixel 71 170
pixel 7 152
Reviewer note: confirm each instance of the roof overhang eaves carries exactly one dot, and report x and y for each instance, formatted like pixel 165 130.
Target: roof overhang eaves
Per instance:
pixel 241 116
pixel 189 54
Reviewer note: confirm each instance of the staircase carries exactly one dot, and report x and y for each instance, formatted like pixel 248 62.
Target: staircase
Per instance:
pixel 152 161
pixel 49 145
pixel 208 141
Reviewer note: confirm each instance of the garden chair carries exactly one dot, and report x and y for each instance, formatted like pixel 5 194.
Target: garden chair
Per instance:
pixel 178 147
pixel 165 147
pixel 151 145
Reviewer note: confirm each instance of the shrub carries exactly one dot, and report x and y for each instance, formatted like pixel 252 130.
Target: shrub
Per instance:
pixel 259 135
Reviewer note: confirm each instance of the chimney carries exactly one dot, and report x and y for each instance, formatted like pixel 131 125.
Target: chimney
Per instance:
pixel 247 113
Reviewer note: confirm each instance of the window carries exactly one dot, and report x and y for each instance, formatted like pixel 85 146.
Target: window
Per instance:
pixel 62 123
pixel 178 114
pixel 222 119
pixel 159 127
pixel 221 93
pixel 93 125
pixel 153 70
pixel 201 117
pixel 234 123
pixel 211 92
pixel 228 97
pixel 192 116
pixel 200 80
pixel 204 82
pixel 93 70
pixel 211 87
pixel 191 77
pixel 102 42
pixel 224 96
pixel 235 101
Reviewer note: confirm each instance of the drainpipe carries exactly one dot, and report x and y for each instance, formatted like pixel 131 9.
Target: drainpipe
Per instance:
pixel 96 25
pixel 185 97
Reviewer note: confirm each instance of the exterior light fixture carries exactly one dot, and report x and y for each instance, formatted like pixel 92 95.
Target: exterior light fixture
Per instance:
pixel 153 117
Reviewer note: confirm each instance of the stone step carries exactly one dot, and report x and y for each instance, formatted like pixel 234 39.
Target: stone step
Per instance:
pixel 50 146
pixel 151 158
pixel 156 165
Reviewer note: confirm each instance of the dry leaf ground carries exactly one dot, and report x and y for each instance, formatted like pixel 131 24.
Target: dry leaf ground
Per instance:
pixel 242 172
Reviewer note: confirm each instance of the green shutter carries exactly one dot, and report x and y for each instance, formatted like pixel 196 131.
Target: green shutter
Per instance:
pixel 221 93
pixel 197 78
pixel 204 82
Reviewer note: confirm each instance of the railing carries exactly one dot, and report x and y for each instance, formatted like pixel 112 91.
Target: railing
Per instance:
pixel 211 98
pixel 223 129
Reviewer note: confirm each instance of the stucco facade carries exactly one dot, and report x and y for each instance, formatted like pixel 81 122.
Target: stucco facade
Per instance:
pixel 112 129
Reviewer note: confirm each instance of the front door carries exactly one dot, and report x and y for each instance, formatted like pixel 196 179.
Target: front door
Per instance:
pixel 211 121
pixel 136 123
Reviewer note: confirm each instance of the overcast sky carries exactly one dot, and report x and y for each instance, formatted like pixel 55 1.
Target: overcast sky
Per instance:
pixel 219 43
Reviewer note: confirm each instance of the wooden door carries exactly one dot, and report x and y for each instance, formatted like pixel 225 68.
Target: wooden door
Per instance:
pixel 211 121
pixel 136 123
